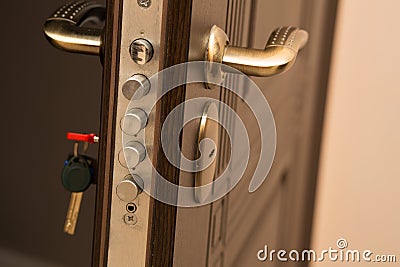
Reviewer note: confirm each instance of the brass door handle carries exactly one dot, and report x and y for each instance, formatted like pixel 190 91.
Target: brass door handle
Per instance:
pixel 278 56
pixel 65 30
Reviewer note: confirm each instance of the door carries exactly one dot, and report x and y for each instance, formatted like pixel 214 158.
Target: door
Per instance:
pixel 157 207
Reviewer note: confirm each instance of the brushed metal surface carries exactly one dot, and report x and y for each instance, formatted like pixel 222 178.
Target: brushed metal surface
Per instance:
pixel 128 243
pixel 134 121
pixel 136 87
pixel 63 29
pixel 278 56
pixel 130 188
pixel 132 155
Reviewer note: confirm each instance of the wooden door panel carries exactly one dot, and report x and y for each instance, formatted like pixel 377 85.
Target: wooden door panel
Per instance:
pixel 142 38
pixel 242 248
pixel 287 96
pixel 191 246
pixel 229 231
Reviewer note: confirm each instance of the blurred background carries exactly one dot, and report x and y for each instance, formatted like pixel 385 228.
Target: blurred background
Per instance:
pixel 46 93
pixel 358 191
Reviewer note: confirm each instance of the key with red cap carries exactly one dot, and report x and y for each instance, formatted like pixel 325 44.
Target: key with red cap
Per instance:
pixel 76 197
pixel 90 138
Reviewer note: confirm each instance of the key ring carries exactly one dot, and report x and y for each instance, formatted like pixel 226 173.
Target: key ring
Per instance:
pixel 76 148
pixel 85 138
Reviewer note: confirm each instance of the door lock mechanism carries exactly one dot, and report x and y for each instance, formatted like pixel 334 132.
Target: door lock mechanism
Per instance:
pixel 65 30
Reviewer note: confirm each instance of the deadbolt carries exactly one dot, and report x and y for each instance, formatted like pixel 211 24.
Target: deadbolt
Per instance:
pixel 133 154
pixel 136 87
pixel 130 188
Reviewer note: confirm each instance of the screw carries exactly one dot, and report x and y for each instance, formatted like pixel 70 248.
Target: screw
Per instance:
pixel 130 219
pixel 144 3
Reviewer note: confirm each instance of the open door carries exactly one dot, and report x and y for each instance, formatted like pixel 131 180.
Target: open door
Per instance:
pixel 244 66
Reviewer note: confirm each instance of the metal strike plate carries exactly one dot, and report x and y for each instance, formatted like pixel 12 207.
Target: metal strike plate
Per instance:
pixel 128 232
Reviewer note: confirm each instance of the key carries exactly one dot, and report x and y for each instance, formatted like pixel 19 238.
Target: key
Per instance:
pixel 89 138
pixel 76 178
pixel 77 175
pixel 73 213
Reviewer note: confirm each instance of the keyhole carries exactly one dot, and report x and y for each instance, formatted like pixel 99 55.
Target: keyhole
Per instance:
pixel 211 153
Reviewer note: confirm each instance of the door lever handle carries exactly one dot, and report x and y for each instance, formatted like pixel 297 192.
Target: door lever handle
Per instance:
pixel 278 56
pixel 65 30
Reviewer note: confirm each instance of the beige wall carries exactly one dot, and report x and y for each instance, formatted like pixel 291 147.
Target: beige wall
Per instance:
pixel 359 185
